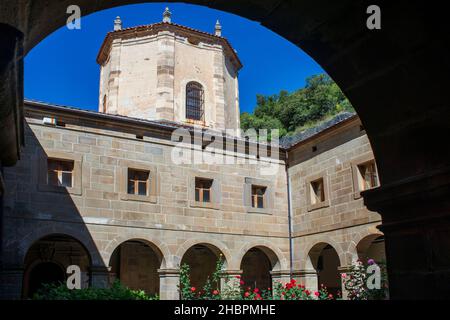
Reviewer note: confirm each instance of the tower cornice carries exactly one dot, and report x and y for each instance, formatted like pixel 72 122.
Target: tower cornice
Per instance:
pixel 192 34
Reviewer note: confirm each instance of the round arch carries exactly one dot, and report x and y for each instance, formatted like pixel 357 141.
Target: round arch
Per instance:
pixel 202 260
pixel 214 245
pixel 371 247
pixel 276 256
pixel 257 266
pixel 135 263
pixel 325 261
pixel 80 235
pixel 48 258
pixel 152 242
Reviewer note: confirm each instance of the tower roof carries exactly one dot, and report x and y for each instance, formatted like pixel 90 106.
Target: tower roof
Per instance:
pixel 190 33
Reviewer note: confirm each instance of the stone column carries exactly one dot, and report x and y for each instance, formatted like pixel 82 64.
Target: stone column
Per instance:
pixel 169 281
pixel 230 285
pixel 343 271
pixel 11 283
pixel 308 278
pixel 283 276
pixel 100 277
pixel 416 226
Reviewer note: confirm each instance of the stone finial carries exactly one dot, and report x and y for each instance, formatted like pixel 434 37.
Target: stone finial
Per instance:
pixel 218 29
pixel 167 16
pixel 117 24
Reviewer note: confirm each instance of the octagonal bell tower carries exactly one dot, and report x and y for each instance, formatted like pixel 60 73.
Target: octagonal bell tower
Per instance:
pixel 169 72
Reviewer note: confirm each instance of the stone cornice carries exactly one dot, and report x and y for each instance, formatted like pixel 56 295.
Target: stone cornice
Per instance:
pixel 193 35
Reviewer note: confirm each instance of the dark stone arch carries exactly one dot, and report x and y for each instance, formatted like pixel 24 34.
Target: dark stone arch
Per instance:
pixel 135 263
pixel 325 260
pixel 396 78
pixel 202 259
pixel 372 247
pixel 257 265
pixel 47 260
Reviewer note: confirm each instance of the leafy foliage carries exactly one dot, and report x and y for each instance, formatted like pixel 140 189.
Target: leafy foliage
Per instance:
pixel 355 282
pixel 116 292
pixel 236 289
pixel 320 99
pixel 211 289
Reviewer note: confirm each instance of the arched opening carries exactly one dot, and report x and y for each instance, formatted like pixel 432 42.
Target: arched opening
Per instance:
pixel 372 247
pixel 324 259
pixel 135 264
pixel 47 260
pixel 202 260
pixel 256 266
pixel 194 101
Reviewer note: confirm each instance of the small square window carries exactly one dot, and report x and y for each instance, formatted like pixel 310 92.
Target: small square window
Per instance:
pixel 203 188
pixel 317 191
pixel 138 182
pixel 59 173
pixel 368 176
pixel 258 197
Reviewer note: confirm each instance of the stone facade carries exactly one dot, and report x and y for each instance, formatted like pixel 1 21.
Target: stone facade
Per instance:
pixel 342 221
pixel 101 217
pixel 142 240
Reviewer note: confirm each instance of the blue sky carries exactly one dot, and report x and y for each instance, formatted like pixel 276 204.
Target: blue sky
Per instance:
pixel 62 68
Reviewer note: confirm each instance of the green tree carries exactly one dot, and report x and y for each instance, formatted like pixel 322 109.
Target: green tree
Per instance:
pixel 319 100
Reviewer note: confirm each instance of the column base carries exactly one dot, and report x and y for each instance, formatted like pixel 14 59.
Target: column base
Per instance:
pixel 169 281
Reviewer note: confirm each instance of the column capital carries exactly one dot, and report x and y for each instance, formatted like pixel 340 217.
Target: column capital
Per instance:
pixel 231 272
pixel 280 273
pixel 304 272
pixel 344 269
pixel 169 272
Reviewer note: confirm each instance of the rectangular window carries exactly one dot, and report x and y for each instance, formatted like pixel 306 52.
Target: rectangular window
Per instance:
pixel 203 188
pixel 317 191
pixel 368 176
pixel 59 173
pixel 258 197
pixel 138 182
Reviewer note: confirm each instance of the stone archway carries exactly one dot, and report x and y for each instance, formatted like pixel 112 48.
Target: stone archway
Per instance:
pixel 324 260
pixel 135 263
pixel 382 72
pixel 372 247
pixel 47 260
pixel 257 265
pixel 201 259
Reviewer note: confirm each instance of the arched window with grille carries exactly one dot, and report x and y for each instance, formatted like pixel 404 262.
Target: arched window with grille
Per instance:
pixel 194 101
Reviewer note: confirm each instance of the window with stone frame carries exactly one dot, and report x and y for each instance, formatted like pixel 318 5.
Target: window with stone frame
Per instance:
pixel 317 191
pixel 203 190
pixel 194 101
pixel 138 182
pixel 367 176
pixel 258 197
pixel 60 173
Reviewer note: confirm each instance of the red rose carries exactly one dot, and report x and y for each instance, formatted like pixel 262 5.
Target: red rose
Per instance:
pixel 242 282
pixel 193 289
pixel 256 290
pixel 307 292
pixel 317 293
pixel 215 292
pixel 246 294
pixel 238 277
